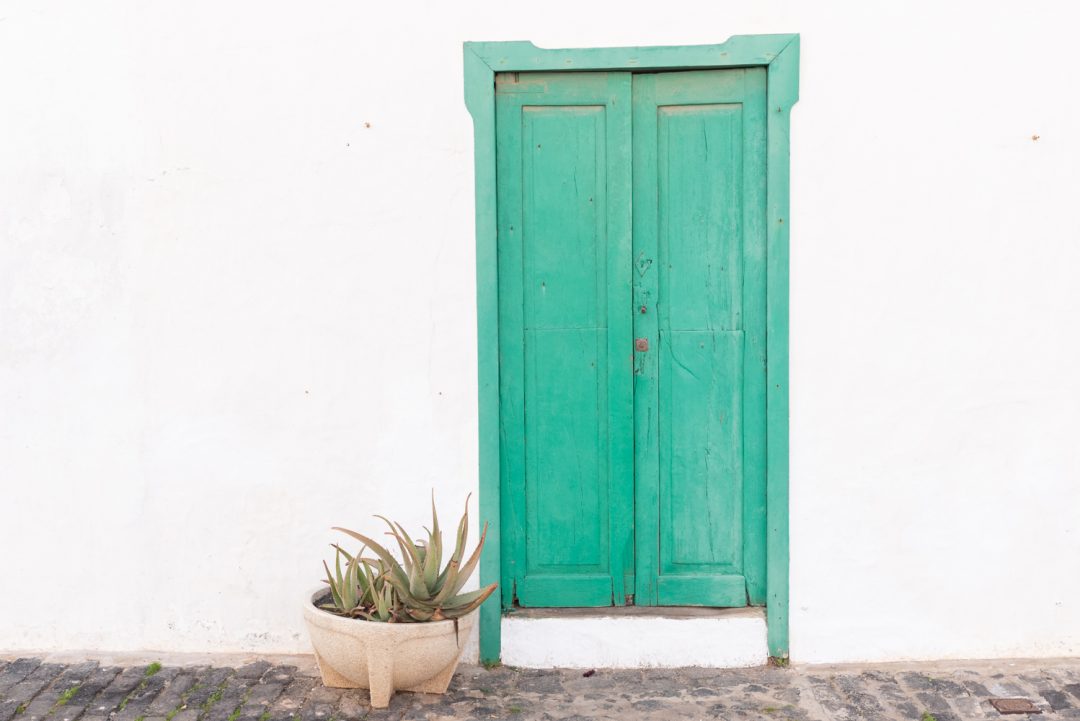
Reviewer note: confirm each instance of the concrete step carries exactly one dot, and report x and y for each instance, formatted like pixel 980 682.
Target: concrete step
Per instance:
pixel 634 637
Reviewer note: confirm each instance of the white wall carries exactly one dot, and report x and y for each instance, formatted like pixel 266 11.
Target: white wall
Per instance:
pixel 232 314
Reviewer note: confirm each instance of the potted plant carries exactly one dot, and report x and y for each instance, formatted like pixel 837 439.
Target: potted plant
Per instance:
pixel 386 625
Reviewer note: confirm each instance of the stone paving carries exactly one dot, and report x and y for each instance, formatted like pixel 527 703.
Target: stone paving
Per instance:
pixel 34 689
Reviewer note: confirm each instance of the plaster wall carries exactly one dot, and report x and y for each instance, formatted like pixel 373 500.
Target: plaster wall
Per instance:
pixel 237 307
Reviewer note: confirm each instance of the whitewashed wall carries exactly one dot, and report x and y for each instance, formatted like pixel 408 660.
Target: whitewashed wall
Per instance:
pixel 237 307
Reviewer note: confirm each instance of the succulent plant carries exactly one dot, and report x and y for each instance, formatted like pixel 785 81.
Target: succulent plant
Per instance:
pixel 415 589
pixel 361 591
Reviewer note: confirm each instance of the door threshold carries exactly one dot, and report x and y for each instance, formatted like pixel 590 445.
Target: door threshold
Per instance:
pixel 635 637
pixel 638 611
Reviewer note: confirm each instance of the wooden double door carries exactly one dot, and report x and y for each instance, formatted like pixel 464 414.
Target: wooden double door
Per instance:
pixel 631 243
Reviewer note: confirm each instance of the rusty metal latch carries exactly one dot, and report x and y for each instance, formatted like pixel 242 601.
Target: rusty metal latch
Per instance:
pixel 641 344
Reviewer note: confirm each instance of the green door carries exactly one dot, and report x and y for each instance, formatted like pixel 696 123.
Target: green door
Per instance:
pixel 566 391
pixel 699 245
pixel 632 337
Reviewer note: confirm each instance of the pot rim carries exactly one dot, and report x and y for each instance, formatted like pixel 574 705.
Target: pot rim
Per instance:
pixel 309 605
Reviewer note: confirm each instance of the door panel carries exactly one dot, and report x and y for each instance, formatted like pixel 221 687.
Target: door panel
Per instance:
pixel 699 250
pixel 565 332
pixel 700 452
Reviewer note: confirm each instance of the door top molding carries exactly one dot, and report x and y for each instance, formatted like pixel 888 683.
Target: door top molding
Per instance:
pixel 778 52
pixel 736 51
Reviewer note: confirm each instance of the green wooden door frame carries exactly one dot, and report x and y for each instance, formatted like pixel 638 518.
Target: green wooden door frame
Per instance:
pixel 779 55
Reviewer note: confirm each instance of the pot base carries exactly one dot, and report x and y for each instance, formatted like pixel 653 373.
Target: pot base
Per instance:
pixel 384 657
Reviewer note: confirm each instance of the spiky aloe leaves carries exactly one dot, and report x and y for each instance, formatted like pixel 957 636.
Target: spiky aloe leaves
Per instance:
pixel 359 589
pixel 417 588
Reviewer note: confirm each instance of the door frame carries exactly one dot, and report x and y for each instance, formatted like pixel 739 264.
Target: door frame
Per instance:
pixel 779 55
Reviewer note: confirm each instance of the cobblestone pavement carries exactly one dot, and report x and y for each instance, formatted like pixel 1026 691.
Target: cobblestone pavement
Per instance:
pixel 35 689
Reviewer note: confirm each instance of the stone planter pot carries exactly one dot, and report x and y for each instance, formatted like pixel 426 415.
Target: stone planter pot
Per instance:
pixel 384 657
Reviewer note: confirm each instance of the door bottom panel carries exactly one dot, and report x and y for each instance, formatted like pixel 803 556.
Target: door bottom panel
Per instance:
pixel 572 591
pixel 701 590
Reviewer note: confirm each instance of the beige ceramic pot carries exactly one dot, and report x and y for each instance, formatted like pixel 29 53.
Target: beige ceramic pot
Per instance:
pixel 384 657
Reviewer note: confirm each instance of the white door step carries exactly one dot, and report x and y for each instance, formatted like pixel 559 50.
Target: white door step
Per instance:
pixel 634 637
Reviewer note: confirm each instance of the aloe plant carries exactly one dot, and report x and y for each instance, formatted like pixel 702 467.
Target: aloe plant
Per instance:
pixel 417 588
pixel 362 590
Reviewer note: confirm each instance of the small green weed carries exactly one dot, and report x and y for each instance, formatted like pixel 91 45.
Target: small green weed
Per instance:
pixel 147 673
pixel 927 716
pixel 67 695
pixel 214 698
pixel 491 664
pixel 515 709
pixel 265 715
pixel 236 711
pixel 20 709
pixel 195 687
